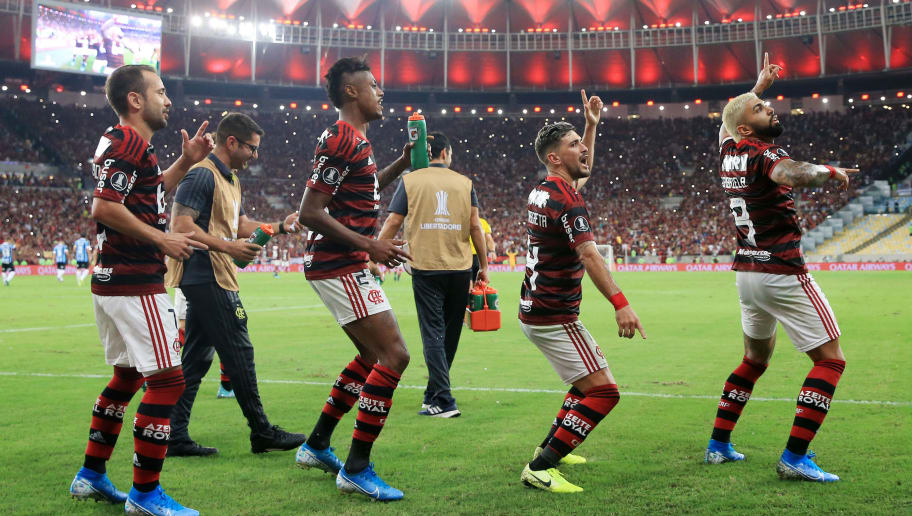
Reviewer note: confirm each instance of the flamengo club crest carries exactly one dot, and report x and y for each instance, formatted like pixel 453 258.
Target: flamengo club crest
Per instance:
pixel 375 297
pixel 442 204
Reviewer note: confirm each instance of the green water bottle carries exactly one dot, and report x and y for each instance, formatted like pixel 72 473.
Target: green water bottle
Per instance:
pixel 417 132
pixel 259 237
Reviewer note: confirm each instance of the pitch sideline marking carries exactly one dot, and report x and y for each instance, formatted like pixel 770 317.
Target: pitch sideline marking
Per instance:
pixel 487 389
pixel 86 325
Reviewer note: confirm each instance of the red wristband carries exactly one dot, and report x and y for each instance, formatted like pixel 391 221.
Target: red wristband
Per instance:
pixel 832 171
pixel 619 301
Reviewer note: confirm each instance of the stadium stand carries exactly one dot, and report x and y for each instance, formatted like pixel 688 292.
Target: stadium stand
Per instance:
pixel 654 187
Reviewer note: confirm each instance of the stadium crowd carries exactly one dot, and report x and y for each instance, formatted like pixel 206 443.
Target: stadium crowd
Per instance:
pixel 654 187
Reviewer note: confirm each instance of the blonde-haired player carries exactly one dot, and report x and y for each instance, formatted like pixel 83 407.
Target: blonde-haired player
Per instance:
pixel 773 282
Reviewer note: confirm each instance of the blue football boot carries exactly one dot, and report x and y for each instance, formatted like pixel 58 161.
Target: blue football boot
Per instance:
pixel 801 467
pixel 718 452
pixel 367 483
pixel 155 503
pixel 325 460
pixel 89 484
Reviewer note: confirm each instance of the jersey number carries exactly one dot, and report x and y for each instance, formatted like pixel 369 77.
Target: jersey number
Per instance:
pixel 531 262
pixel 742 218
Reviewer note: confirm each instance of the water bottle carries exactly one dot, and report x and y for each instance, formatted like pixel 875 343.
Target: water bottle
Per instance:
pixel 259 237
pixel 490 294
pixel 417 132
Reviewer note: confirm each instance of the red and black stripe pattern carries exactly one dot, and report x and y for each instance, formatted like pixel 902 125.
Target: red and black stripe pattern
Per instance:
pixel 347 388
pixel 814 403
pixel 374 403
pixel 152 427
pixel 735 395
pixel 570 400
pixel 344 167
pixel 108 414
pixel 766 222
pixel 126 170
pixel 557 222
pixel 582 418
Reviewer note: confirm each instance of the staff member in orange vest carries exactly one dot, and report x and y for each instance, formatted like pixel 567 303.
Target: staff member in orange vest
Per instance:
pixel 442 211
pixel 208 200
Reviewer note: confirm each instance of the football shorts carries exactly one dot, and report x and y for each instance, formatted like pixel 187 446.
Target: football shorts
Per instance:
pixel 138 331
pixel 351 297
pixel 569 347
pixel 796 301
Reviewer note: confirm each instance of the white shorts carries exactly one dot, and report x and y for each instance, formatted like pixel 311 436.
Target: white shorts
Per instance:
pixel 138 331
pixel 352 296
pixel 180 304
pixel 569 347
pixel 794 300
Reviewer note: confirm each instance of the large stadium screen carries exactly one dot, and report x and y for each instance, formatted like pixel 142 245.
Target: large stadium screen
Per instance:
pixel 83 39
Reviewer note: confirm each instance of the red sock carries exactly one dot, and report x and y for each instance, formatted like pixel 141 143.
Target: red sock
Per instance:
pixel 814 403
pixel 347 388
pixel 570 400
pixel 152 427
pixel 735 394
pixel 224 378
pixel 580 420
pixel 374 403
pixel 108 414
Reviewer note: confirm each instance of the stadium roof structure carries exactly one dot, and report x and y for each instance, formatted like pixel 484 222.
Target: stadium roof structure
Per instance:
pixel 518 45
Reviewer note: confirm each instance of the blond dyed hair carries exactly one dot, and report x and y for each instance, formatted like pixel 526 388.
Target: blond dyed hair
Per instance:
pixel 734 111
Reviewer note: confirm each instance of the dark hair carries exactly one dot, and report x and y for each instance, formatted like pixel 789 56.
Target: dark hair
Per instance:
pixel 438 144
pixel 238 125
pixel 125 80
pixel 336 75
pixel 547 138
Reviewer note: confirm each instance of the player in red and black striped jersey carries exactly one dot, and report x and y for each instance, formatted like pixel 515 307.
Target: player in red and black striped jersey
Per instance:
pixel 135 322
pixel 773 285
pixel 561 246
pixel 340 207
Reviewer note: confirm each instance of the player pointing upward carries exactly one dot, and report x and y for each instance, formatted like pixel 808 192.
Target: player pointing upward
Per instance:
pixel 773 283
pixel 561 245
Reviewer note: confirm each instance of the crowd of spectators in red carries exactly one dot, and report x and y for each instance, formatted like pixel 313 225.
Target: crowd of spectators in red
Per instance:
pixel 653 187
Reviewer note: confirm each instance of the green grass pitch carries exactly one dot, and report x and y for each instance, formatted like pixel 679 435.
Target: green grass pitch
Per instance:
pixel 645 457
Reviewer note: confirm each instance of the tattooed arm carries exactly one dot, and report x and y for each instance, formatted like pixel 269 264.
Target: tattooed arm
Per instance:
pixel 802 174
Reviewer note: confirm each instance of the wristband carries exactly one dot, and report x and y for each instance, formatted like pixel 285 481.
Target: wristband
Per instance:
pixel 282 228
pixel 619 301
pixel 832 171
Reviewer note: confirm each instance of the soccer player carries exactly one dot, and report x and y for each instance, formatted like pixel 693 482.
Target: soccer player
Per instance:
pixel 135 320
pixel 561 246
pixel 61 253
pixel 340 205
pixel 7 261
pixel 83 251
pixel 773 282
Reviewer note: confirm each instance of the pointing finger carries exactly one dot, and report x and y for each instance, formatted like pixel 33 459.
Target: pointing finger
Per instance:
pixel 185 136
pixel 641 330
pixel 583 94
pixel 766 60
pixel 202 128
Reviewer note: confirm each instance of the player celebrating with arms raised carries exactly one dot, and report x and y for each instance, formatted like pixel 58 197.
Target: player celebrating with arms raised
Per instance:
pixel 561 245
pixel 773 284
pixel 340 205
pixel 136 324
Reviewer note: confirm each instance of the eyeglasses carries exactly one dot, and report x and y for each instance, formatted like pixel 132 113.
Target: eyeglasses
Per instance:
pixel 253 148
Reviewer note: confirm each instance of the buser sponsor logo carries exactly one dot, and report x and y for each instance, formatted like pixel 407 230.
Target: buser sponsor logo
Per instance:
pixel 567 227
pixel 577 425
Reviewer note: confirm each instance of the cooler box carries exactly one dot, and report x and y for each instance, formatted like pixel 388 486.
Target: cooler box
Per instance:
pixel 484 315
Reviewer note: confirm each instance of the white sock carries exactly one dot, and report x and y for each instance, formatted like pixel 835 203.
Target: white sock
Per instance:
pixel 60 275
pixel 11 274
pixel 5 276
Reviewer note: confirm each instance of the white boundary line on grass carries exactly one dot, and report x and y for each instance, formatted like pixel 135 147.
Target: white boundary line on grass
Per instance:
pixel 491 389
pixel 86 325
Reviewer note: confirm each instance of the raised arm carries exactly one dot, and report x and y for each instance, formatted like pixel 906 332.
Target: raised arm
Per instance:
pixel 593 109
pixel 192 151
pixel 768 75
pixel 802 174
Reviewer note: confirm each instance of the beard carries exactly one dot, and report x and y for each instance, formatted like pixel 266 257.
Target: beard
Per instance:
pixel 156 120
pixel 771 131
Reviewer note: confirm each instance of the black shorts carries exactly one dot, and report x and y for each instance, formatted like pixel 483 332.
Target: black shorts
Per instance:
pixel 82 265
pixel 61 266
pixel 8 267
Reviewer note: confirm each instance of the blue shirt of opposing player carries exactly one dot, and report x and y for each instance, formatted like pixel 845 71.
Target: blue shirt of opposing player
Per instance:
pixel 6 252
pixel 82 247
pixel 60 253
